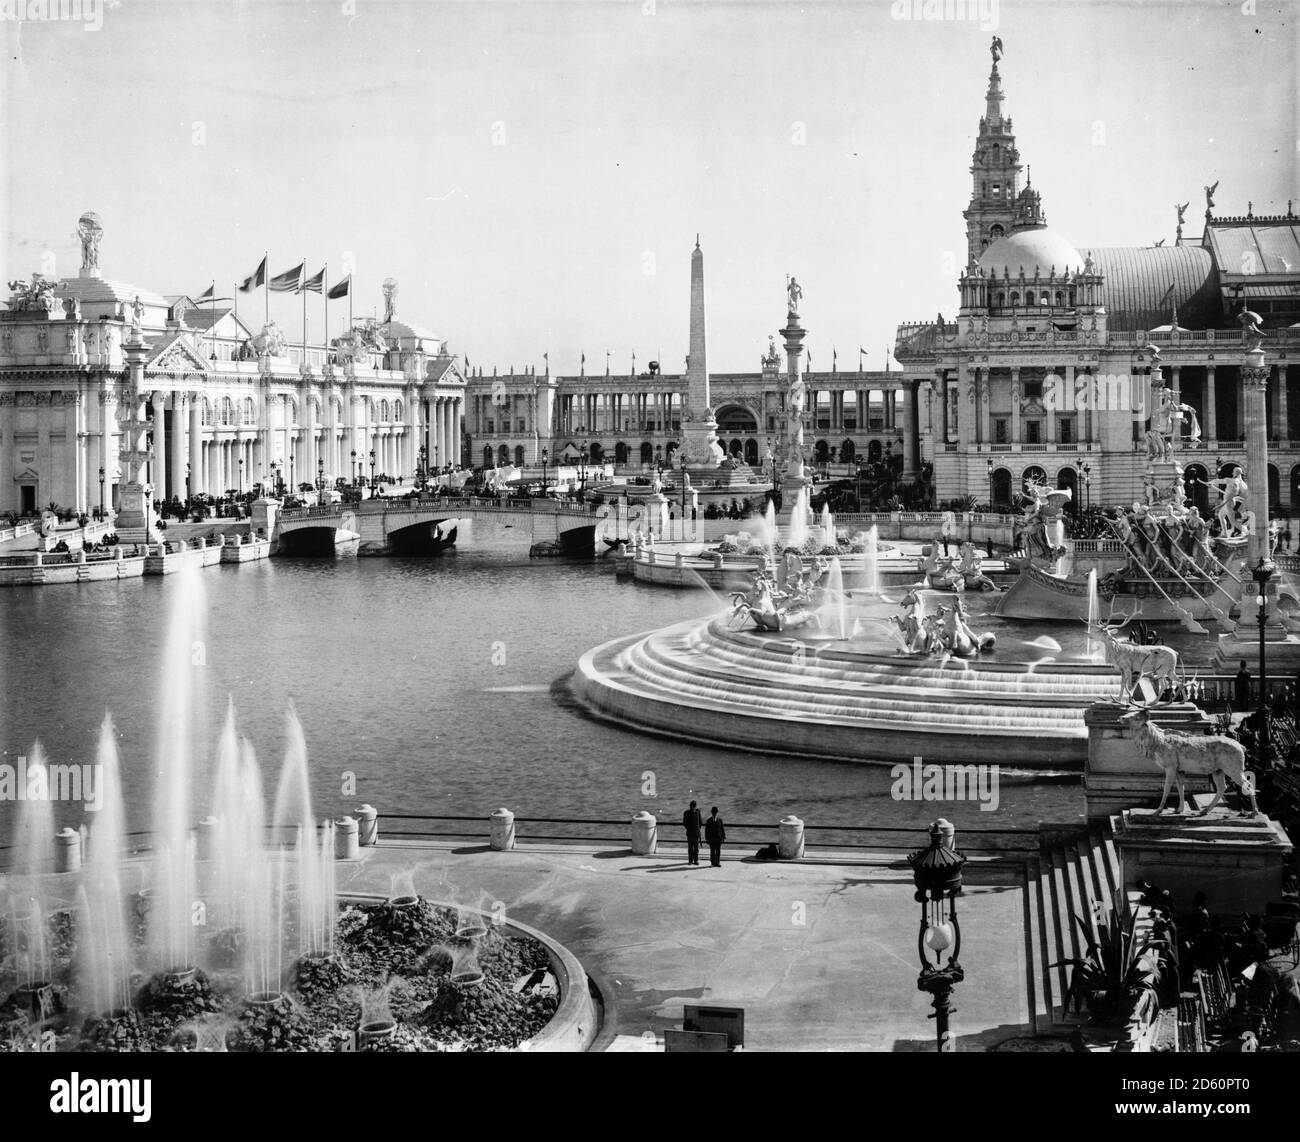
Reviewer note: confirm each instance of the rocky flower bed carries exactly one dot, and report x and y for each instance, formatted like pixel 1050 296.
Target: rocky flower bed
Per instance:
pixel 405 976
pixel 743 543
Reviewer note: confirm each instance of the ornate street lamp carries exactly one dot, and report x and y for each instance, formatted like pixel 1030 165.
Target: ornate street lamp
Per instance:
pixel 320 479
pixel 582 471
pixel 241 475
pixel 101 490
pixel 546 455
pixel 372 472
pixel 1262 572
pixel 354 466
pixel 422 469
pixel 937 873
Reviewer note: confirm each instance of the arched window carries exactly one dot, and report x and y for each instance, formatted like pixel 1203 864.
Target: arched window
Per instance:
pixel 1045 299
pixel 596 454
pixel 1060 298
pixel 519 455
pixel 487 456
pixel 873 451
pixel 207 411
pixel 397 411
pixel 847 451
pixel 1001 488
pixel 1002 299
pixel 647 452
pixel 737 448
pixel 250 411
pixel 995 232
pixel 751 452
pixel 503 454
pixel 620 453
pixel 227 411
pixel 1015 297
pixel 1033 475
pixel 383 411
pixel 821 452
pixel 670 451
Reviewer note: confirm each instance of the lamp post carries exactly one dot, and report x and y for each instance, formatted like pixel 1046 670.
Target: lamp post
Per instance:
pixel 1262 572
pixel 988 543
pixel 582 472
pixel 241 475
pixel 372 473
pixel 354 466
pixel 101 489
pixel 188 494
pixel 320 480
pixel 546 455
pixel 1085 473
pixel 936 872
pixel 422 470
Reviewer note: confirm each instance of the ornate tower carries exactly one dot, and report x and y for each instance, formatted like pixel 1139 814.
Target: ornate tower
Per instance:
pixel 995 172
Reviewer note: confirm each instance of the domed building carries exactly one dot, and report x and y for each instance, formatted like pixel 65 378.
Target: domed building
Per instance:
pixel 1040 376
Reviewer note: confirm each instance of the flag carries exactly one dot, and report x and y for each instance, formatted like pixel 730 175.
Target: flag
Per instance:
pixel 288 282
pixel 342 289
pixel 255 279
pixel 315 284
pixel 208 294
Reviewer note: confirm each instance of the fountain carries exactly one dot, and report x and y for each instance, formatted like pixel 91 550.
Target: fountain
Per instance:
pixel 828 526
pixel 770 534
pixel 1094 616
pixel 833 611
pixel 797 533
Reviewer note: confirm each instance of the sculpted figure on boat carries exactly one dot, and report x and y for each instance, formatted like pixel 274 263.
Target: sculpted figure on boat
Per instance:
pixel 971 569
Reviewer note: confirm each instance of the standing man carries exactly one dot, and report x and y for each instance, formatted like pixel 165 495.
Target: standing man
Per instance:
pixel 1241 688
pixel 692 822
pixel 715 834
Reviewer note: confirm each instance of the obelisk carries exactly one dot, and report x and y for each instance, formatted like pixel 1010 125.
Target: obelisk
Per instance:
pixel 699 429
pixel 795 482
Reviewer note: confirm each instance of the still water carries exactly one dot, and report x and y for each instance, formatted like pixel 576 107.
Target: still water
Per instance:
pixel 437 682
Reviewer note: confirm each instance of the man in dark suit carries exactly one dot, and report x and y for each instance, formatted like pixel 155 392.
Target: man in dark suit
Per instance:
pixel 715 834
pixel 692 822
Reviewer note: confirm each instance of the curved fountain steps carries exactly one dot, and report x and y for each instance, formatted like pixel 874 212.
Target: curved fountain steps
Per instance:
pixel 701 681
pixel 825 661
pixel 822 692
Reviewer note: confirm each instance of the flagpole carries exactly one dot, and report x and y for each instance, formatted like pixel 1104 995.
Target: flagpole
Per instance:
pixel 301 282
pixel 212 289
pixel 325 300
pixel 266 287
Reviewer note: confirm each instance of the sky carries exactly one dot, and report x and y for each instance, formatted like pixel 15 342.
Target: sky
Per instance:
pixel 534 174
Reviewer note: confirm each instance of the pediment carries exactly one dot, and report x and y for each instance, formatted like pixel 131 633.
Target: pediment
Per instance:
pixel 177 356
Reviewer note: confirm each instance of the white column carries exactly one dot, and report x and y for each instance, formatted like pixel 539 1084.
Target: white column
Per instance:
pixel 177 445
pixel 158 469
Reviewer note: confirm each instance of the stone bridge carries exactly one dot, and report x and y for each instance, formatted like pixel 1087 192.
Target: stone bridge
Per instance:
pixel 385 526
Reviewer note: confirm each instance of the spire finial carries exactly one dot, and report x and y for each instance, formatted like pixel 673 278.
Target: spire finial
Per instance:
pixel 697 239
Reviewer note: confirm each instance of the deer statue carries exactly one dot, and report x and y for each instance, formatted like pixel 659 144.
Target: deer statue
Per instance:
pixel 1180 755
pixel 1135 661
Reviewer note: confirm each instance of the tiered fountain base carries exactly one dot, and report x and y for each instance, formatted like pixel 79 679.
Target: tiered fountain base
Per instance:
pixel 856 700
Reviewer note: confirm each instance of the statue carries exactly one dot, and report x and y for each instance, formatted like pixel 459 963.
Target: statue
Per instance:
pixel 995 48
pixel 971 569
pixel 1181 211
pixel 1209 196
pixel 72 308
pixel 958 638
pixel 1089 266
pixel 1252 336
pixel 770 610
pixel 390 299
pixel 90 229
pixel 137 315
pixel 271 342
pixel 1233 491
pixel 797 395
pixel 794 293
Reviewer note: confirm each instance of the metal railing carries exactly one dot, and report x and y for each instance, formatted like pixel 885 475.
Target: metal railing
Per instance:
pixel 585 830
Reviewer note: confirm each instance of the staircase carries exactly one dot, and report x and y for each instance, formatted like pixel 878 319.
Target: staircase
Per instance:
pixel 1078 878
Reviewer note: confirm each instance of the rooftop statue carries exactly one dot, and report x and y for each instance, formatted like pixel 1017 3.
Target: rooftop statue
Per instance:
pixel 90 229
pixel 1209 195
pixel 995 48
pixel 271 342
pixel 137 315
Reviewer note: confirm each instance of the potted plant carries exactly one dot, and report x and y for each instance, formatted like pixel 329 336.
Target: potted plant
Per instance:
pixel 1116 971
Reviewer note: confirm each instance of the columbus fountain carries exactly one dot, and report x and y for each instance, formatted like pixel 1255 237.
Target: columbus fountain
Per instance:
pixel 931 664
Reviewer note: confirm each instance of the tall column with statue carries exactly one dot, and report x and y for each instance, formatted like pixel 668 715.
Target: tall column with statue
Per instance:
pixel 794 496
pixel 136 508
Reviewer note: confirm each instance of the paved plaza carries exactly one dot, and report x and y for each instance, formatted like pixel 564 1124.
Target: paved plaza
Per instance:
pixel 820 954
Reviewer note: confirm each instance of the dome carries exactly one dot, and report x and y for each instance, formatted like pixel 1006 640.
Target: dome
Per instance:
pixel 1037 246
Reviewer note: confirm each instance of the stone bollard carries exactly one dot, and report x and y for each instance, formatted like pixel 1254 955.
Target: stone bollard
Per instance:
pixel 202 541
pixel 68 851
pixel 345 839
pixel 717 560
pixel 205 841
pixel 81 556
pixel 645 835
pixel 790 846
pixel 40 558
pixel 117 552
pixel 503 830
pixel 367 825
pixel 650 555
pixel 677 561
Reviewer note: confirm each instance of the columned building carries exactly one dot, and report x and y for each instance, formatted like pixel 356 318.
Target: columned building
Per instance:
pixel 228 409
pixel 1042 375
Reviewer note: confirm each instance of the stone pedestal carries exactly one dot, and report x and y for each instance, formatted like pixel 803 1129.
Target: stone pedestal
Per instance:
pixel 1116 775
pixel 263 517
pixel 136 510
pixel 1235 860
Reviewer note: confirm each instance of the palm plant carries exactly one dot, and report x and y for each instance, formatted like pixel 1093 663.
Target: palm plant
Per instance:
pixel 1115 967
